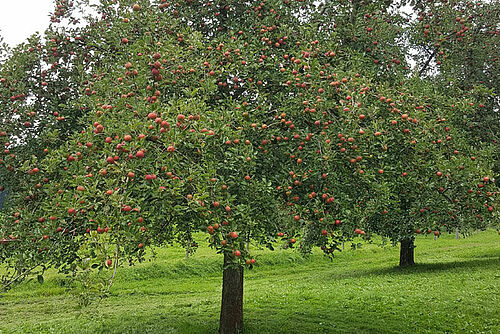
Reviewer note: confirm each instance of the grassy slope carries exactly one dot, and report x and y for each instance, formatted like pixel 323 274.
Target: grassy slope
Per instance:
pixel 455 288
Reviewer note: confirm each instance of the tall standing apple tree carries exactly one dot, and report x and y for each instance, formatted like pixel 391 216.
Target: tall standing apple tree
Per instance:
pixel 399 145
pixel 458 58
pixel 434 180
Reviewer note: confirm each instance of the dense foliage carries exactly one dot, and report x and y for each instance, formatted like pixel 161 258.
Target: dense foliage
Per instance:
pixel 273 122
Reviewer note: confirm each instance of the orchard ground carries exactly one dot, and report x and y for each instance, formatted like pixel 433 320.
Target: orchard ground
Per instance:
pixel 454 288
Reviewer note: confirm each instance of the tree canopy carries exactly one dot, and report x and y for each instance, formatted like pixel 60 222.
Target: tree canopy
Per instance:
pixel 275 122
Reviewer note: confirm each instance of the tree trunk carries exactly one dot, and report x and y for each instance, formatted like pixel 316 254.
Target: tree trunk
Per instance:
pixel 231 314
pixel 406 254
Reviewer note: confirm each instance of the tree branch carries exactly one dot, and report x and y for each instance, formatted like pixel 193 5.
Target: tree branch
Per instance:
pixel 23 275
pixel 115 267
pixel 422 70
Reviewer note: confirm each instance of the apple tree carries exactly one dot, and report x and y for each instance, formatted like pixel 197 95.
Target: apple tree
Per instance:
pixel 397 144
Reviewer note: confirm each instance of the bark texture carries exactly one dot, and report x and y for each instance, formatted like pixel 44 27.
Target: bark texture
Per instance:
pixel 231 315
pixel 406 254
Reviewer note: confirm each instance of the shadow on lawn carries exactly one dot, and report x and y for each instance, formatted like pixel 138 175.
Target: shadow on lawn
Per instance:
pixel 160 322
pixel 493 262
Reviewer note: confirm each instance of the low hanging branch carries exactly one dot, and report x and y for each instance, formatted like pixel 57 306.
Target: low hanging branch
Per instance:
pixel 115 267
pixel 21 276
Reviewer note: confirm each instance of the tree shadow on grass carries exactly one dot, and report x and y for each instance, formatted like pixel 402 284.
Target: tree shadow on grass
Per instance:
pixel 491 262
pixel 164 321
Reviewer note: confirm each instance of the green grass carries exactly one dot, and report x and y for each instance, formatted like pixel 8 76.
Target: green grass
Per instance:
pixel 454 288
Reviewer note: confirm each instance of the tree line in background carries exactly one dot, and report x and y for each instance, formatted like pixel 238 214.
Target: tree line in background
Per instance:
pixel 287 123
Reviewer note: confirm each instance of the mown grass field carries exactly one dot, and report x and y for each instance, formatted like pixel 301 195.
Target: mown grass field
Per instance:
pixel 454 288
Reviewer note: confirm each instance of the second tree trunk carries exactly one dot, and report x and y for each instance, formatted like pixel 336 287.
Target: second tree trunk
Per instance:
pixel 406 256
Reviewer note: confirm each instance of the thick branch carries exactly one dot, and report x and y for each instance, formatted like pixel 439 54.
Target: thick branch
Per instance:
pixel 422 70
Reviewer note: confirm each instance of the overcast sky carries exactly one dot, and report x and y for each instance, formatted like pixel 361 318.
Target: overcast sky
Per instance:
pixel 19 19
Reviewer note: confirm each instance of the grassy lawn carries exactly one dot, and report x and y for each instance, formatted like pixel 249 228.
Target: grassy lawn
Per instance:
pixel 454 288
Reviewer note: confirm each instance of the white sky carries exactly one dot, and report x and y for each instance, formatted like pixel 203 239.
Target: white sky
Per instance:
pixel 19 19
